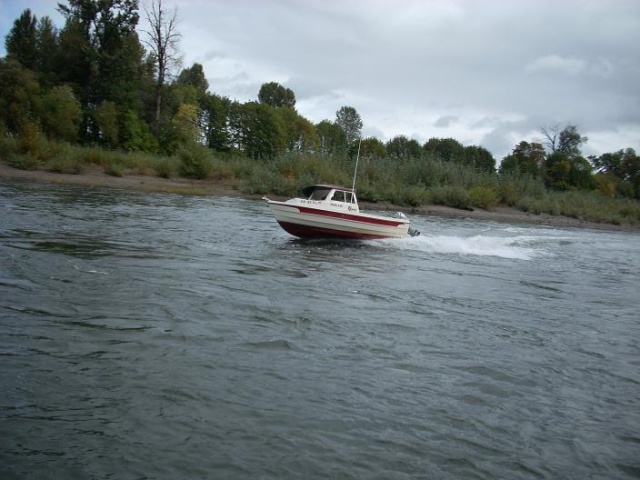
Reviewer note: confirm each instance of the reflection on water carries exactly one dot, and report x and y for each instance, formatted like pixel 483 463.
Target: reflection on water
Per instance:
pixel 162 336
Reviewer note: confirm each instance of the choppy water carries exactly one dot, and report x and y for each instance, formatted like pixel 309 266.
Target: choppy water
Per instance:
pixel 166 337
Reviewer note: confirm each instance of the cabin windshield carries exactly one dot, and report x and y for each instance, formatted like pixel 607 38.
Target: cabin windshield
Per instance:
pixel 319 194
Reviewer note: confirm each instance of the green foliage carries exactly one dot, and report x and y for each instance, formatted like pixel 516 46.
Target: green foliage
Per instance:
pixel 107 118
pixel 446 149
pixel 60 114
pixel 585 206
pixel 452 196
pixel 275 95
pixel 263 131
pixel 514 186
pixel 415 196
pixel 102 55
pixel 402 148
pixel 195 161
pixel 31 140
pixel 21 43
pixel 479 158
pixel 194 77
pixel 26 161
pixel 526 158
pixel 19 95
pixel 62 165
pixel 214 115
pixel 621 170
pixel 569 141
pixel 372 150
pixel 114 169
pixel 349 121
pixel 332 139
pixel 567 173
pixel 300 132
pixel 166 167
pixel 483 197
pixel 8 146
pixel 135 135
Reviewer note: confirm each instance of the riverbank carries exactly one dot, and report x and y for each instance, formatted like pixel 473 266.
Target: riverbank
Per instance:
pixel 147 183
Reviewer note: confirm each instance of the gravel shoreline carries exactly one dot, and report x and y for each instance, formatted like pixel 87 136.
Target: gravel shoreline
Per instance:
pixel 97 178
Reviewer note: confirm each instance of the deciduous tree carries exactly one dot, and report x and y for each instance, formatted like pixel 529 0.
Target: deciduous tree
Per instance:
pixel 401 147
pixel 566 140
pixel 348 119
pixel 60 113
pixel 446 149
pixel 526 158
pixel 332 139
pixel 479 158
pixel 276 95
pixel 162 40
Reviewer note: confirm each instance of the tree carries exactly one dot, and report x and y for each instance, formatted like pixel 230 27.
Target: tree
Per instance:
pixel 348 119
pixel 621 169
pixel 566 173
pixel 276 95
pixel 47 47
pixel 263 131
pixel 528 158
pixel 551 137
pixel 162 41
pixel 402 148
pixel 332 139
pixel 21 43
pixel 194 77
pixel 214 116
pixel 567 140
pixel 372 149
pixel 60 113
pixel 19 94
pixel 107 118
pixel 185 123
pixel 301 134
pixel 480 158
pixel 102 54
pixel 446 149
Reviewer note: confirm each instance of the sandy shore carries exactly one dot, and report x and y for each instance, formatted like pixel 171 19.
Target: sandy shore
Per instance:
pixel 96 177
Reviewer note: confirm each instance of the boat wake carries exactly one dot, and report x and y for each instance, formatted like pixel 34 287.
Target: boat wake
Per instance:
pixel 518 247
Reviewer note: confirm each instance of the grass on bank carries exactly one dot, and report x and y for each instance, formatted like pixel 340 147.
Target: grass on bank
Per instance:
pixel 410 183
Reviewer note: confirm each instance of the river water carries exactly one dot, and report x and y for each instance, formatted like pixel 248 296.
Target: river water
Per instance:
pixel 155 336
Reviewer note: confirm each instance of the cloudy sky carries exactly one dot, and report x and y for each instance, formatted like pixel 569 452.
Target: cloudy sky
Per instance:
pixel 485 72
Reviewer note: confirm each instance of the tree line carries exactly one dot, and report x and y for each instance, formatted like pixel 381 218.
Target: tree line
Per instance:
pixel 98 81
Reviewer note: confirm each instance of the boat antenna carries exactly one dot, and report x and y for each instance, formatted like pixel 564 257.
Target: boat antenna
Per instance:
pixel 355 172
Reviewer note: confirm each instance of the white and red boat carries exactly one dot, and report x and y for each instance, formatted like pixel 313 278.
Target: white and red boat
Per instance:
pixel 331 211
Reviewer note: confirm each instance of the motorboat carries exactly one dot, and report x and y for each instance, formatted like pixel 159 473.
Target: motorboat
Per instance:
pixel 331 211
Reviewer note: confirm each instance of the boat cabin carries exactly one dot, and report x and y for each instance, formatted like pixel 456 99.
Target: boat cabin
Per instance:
pixel 332 196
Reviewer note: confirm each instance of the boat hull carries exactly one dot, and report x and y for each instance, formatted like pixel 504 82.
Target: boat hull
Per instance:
pixel 308 222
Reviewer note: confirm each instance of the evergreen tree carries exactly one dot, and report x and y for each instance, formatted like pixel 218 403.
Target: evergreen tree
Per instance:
pixel 21 42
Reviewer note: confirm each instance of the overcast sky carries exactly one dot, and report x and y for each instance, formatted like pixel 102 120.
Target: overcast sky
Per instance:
pixel 485 72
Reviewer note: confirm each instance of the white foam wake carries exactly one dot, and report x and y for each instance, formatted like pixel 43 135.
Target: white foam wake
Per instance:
pixel 518 247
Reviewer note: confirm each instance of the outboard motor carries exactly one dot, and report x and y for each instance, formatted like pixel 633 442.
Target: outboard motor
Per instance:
pixel 412 231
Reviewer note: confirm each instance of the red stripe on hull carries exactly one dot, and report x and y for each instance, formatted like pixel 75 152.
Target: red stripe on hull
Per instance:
pixel 304 231
pixel 348 216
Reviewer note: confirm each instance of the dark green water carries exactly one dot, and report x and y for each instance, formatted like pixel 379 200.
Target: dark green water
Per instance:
pixel 167 337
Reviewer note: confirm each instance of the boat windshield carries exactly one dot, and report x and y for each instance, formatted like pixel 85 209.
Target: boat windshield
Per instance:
pixel 319 194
